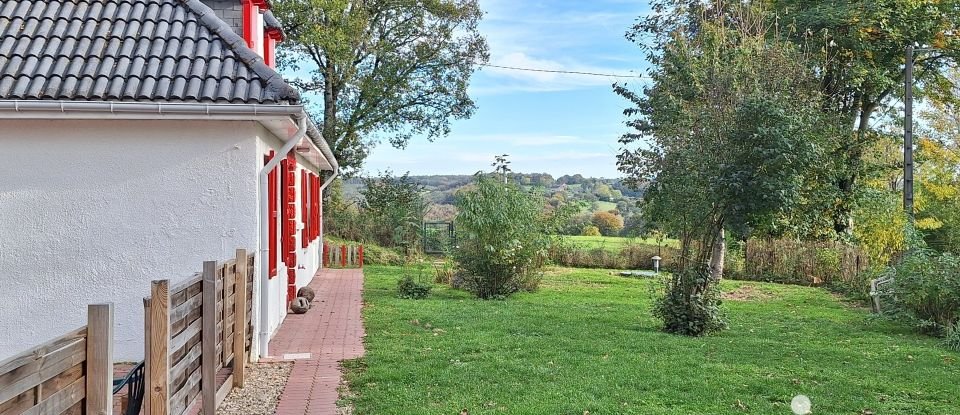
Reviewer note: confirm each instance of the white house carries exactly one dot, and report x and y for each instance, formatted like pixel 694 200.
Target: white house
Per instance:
pixel 138 139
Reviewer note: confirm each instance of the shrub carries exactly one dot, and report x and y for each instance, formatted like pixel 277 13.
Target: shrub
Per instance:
pixel 690 304
pixel 503 237
pixel 590 230
pixel 608 223
pixel 408 288
pixel 927 289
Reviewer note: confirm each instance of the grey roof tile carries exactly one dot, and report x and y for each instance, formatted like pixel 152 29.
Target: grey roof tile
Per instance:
pixel 130 50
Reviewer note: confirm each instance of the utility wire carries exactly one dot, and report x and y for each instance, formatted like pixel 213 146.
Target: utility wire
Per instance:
pixel 514 68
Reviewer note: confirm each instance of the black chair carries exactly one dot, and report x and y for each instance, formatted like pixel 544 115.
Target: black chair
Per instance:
pixel 134 381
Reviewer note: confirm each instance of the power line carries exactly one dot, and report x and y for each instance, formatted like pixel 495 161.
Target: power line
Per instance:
pixel 514 68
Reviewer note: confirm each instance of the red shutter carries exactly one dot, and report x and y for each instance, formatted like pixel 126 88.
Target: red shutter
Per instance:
pixel 272 217
pixel 304 209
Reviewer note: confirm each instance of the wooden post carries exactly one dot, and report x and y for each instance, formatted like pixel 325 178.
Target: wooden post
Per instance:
pixel 146 354
pixel 208 339
pixel 361 256
pixel 240 320
pixel 343 256
pixel 99 395
pixel 159 357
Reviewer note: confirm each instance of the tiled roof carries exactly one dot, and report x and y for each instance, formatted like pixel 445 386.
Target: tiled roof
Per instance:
pixel 129 50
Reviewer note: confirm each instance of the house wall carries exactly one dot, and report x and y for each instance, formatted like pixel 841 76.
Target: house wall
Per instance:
pixel 308 259
pixel 92 211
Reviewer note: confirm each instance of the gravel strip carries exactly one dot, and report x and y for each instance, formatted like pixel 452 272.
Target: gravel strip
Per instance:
pixel 265 382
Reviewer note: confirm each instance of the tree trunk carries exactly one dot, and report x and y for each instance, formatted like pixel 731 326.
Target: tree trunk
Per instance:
pixel 717 257
pixel 330 95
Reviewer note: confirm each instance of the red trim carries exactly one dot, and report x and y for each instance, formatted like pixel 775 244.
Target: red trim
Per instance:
pixel 262 4
pixel 250 17
pixel 269 51
pixel 361 255
pixel 343 256
pixel 304 210
pixel 272 217
pixel 326 255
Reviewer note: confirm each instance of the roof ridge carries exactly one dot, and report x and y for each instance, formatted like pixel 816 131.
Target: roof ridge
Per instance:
pixel 236 43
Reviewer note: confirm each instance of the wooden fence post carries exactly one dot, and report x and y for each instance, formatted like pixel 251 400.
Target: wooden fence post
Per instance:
pixel 159 357
pixel 99 359
pixel 240 320
pixel 208 339
pixel 146 354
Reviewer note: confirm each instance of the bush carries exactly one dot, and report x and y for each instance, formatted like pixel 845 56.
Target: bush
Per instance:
pixel 927 289
pixel 408 288
pixel 690 304
pixel 590 230
pixel 503 237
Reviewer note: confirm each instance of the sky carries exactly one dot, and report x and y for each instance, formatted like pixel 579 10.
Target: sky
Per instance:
pixel 547 123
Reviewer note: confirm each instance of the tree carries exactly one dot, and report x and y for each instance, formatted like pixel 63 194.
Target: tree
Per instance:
pixel 862 71
pixel 382 68
pixel 608 223
pixel 395 209
pixel 731 125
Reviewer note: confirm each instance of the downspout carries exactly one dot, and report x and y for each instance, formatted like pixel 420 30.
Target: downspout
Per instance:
pixel 265 233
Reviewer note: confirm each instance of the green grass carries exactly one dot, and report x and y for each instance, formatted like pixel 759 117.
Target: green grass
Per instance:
pixel 586 342
pixel 615 243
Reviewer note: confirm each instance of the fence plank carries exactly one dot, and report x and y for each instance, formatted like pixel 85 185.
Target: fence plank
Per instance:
pixel 60 401
pixel 28 376
pixel 208 370
pixel 240 326
pixel 100 359
pixel 159 348
pixel 30 356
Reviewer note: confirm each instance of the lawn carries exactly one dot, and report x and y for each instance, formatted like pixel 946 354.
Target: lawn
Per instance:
pixel 586 342
pixel 615 243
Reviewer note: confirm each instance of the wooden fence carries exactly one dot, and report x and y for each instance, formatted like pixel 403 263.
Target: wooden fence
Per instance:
pixel 72 374
pixel 342 256
pixel 197 332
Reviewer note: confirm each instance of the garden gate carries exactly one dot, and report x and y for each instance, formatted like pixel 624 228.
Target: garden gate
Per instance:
pixel 438 237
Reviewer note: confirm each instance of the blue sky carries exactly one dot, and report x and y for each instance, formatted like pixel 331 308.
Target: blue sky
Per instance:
pixel 553 123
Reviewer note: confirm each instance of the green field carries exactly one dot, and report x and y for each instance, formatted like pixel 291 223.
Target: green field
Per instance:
pixel 615 243
pixel 586 343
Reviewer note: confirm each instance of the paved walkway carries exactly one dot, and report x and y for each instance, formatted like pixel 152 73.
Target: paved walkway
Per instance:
pixel 317 341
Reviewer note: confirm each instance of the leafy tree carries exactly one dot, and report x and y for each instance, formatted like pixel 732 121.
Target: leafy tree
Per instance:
pixel 732 126
pixel 608 223
pixel 395 207
pixel 383 68
pixel 863 44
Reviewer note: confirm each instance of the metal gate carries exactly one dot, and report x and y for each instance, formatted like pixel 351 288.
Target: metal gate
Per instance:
pixel 438 237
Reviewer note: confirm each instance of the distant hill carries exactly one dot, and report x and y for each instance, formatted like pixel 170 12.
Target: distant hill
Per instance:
pixel 598 194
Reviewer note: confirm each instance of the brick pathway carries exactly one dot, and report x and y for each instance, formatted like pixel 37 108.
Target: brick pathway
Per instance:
pixel 318 340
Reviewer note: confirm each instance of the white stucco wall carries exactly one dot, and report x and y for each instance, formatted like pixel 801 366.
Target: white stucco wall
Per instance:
pixel 308 259
pixel 92 211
